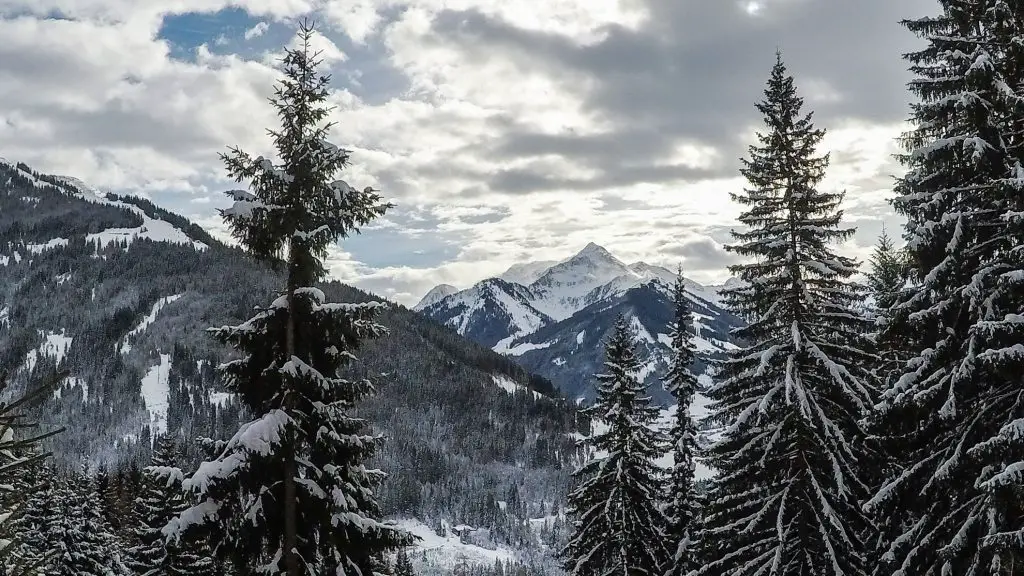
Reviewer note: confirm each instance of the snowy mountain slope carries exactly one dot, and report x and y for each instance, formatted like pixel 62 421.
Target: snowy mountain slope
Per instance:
pixel 581 297
pixel 438 293
pixel 463 425
pixel 563 288
pixel 148 227
pixel 526 273
pixel 490 312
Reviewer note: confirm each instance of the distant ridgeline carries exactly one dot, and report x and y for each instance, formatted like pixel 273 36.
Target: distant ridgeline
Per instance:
pixel 119 293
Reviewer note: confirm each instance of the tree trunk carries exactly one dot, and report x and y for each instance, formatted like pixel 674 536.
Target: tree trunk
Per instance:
pixel 291 536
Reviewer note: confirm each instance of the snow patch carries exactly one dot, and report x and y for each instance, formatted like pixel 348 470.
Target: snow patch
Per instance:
pixel 125 347
pixel 51 245
pixel 440 554
pixel 155 393
pixel 69 383
pixel 502 347
pixel 510 386
pixel 54 346
pixel 220 399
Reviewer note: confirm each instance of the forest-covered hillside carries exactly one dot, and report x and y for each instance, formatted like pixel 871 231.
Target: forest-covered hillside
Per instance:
pixel 119 293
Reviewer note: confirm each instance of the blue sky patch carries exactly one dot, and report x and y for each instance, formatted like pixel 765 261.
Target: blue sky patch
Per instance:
pixel 223 31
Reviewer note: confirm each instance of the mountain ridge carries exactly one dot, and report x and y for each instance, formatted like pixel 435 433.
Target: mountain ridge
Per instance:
pixel 556 325
pixel 126 315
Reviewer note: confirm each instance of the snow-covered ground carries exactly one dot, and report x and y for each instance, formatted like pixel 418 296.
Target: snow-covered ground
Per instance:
pixel 511 387
pixel 125 347
pixel 40 248
pixel 439 554
pixel 155 392
pixel 151 228
pixel 54 346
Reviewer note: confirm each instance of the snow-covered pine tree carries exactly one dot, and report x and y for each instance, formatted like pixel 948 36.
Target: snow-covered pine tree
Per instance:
pixel 160 501
pixel 786 498
pixel 954 416
pixel 682 512
pixel 289 493
pixel 18 453
pixel 888 273
pixel 83 539
pixel 403 565
pixel 33 526
pixel 617 526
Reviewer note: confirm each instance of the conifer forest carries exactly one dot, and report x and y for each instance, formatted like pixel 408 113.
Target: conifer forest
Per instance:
pixel 174 404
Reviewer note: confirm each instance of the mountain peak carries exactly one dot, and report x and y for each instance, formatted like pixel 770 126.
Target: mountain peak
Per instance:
pixel 592 249
pixel 436 294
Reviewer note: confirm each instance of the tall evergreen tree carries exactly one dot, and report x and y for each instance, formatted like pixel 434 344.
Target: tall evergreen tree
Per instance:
pixel 787 496
pixel 85 544
pixel 617 524
pixel 888 273
pixel 682 511
pixel 34 524
pixel 953 416
pixel 160 502
pixel 19 454
pixel 290 493
pixel 403 565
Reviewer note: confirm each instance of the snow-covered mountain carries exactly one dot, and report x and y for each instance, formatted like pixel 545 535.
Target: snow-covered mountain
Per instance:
pixel 438 293
pixel 556 324
pixel 119 293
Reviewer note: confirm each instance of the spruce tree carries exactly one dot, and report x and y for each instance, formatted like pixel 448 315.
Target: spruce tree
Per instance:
pixel 34 524
pixel 160 501
pixel 290 493
pixel 787 496
pixel 682 511
pixel 19 454
pixel 617 523
pixel 84 542
pixel 953 416
pixel 403 565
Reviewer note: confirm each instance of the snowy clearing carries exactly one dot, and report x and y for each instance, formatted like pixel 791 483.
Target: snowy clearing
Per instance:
pixel 54 346
pixel 125 347
pixel 155 392
pixel 511 387
pixel 436 554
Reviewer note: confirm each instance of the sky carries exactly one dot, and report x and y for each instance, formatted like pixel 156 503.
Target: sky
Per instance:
pixel 504 131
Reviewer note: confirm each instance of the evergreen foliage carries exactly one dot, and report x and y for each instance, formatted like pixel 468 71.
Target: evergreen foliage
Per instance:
pixel 84 542
pixel 162 500
pixel 617 526
pixel 290 494
pixel 682 511
pixel 787 496
pixel 952 418
pixel 403 565
pixel 18 457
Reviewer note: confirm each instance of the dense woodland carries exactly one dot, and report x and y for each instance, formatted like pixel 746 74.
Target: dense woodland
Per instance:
pixel 855 440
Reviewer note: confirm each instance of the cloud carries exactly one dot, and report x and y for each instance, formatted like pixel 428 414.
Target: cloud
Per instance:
pixel 503 131
pixel 256 31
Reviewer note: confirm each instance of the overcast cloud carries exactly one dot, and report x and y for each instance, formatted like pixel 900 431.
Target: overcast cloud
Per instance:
pixel 504 131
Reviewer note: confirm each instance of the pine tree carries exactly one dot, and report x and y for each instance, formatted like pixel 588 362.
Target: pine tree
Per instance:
pixel 787 496
pixel 34 525
pixel 682 511
pixel 953 416
pixel 296 473
pixel 403 565
pixel 888 273
pixel 84 542
pixel 18 454
pixel 161 501
pixel 617 524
